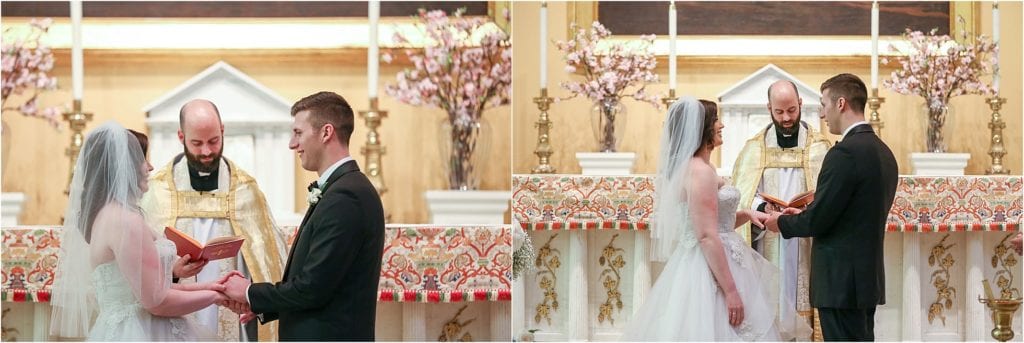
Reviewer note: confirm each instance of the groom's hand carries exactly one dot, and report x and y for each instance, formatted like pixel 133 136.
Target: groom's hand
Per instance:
pixel 235 288
pixel 772 223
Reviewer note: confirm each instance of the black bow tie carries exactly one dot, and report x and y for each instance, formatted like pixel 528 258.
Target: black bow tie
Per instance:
pixel 312 186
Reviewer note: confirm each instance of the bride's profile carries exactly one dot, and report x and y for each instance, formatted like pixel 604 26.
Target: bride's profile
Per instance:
pixel 713 287
pixel 113 278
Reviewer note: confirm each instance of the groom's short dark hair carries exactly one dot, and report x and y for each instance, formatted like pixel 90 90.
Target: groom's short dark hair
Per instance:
pixel 328 108
pixel 850 87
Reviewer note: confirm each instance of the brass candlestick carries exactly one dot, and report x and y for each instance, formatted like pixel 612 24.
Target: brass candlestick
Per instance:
pixel 874 103
pixel 997 125
pixel 543 125
pixel 1002 316
pixel 670 98
pixel 373 150
pixel 76 121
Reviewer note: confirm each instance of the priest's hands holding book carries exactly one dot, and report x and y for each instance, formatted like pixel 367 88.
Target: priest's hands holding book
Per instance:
pixel 185 267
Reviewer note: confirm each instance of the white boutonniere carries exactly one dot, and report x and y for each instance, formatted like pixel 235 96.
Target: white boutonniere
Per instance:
pixel 314 196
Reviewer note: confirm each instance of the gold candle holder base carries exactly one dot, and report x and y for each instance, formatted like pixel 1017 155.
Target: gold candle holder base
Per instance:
pixel 543 124
pixel 997 150
pixel 1002 316
pixel 76 121
pixel 373 149
pixel 670 98
pixel 874 103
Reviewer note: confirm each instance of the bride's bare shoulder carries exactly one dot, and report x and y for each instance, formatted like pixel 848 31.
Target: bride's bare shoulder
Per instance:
pixel 115 215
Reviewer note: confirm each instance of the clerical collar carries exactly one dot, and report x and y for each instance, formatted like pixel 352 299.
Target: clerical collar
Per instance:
pixel 330 170
pixel 862 122
pixel 203 183
pixel 787 141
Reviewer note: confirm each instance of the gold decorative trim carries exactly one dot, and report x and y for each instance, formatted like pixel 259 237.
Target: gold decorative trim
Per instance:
pixel 1005 257
pixel 7 334
pixel 941 256
pixel 580 12
pixel 612 258
pixel 548 259
pixel 817 336
pixel 495 10
pixel 452 328
pixel 970 11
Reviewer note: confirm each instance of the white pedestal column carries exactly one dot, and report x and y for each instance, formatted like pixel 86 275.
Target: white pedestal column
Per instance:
pixel 642 272
pixel 414 322
pixel 501 320
pixel 939 164
pixel 11 205
pixel 518 307
pixel 976 314
pixel 911 286
pixel 41 322
pixel 576 326
pixel 467 207
pixel 606 163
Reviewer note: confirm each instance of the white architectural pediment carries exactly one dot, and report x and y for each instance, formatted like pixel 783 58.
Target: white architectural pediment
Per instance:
pixel 743 108
pixel 257 127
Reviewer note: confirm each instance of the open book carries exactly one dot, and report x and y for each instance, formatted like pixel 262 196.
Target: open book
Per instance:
pixel 215 249
pixel 800 200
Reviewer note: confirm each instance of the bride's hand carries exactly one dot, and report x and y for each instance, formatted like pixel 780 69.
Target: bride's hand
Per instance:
pixel 755 217
pixel 735 306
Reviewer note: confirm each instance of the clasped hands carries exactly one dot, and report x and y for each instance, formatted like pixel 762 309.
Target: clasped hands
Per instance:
pixel 231 287
pixel 774 212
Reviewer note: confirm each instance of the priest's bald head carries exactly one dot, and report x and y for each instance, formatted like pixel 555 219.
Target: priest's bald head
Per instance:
pixel 202 134
pixel 784 104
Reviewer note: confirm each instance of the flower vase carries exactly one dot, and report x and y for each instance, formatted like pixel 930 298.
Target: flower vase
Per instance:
pixel 608 121
pixel 464 146
pixel 939 127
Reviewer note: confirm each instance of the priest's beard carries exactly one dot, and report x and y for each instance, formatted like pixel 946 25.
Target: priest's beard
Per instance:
pixel 792 130
pixel 195 161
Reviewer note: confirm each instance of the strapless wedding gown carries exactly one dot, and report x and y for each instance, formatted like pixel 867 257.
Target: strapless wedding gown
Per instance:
pixel 121 316
pixel 686 304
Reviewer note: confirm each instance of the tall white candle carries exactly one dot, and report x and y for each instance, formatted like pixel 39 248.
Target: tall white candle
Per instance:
pixel 874 45
pixel 77 68
pixel 543 44
pixel 672 45
pixel 995 40
pixel 373 53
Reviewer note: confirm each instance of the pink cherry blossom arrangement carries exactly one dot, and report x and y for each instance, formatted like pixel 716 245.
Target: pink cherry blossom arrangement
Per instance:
pixel 455 73
pixel 609 73
pixel 464 69
pixel 938 68
pixel 26 62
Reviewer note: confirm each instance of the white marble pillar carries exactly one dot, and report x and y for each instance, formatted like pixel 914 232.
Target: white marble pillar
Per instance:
pixel 577 326
pixel 518 306
pixel 642 272
pixel 501 320
pixel 911 287
pixel 975 317
pixel 414 322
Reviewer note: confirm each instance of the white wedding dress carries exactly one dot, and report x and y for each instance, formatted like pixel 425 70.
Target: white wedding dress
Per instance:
pixel 121 315
pixel 686 304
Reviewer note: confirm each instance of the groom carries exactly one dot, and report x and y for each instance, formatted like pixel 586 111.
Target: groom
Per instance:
pixel 855 191
pixel 329 287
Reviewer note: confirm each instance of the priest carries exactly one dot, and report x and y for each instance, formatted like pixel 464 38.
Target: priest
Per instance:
pixel 783 161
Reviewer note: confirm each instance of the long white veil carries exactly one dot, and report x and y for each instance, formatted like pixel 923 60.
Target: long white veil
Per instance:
pixel 103 224
pixel 680 139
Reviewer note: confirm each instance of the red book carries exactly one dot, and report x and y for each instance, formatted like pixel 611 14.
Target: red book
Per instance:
pixel 798 201
pixel 215 249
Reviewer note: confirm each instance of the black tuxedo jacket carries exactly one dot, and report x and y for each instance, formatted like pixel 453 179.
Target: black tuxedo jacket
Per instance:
pixel 329 287
pixel 855 191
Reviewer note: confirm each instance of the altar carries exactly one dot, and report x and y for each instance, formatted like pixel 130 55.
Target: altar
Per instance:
pixel 438 282
pixel 943 237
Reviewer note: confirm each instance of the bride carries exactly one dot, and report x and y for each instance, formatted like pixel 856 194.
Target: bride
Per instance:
pixel 112 261
pixel 713 287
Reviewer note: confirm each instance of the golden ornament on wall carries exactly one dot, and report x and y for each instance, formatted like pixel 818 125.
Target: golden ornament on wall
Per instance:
pixel 611 258
pixel 450 330
pixel 547 262
pixel 945 294
pixel 1005 258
